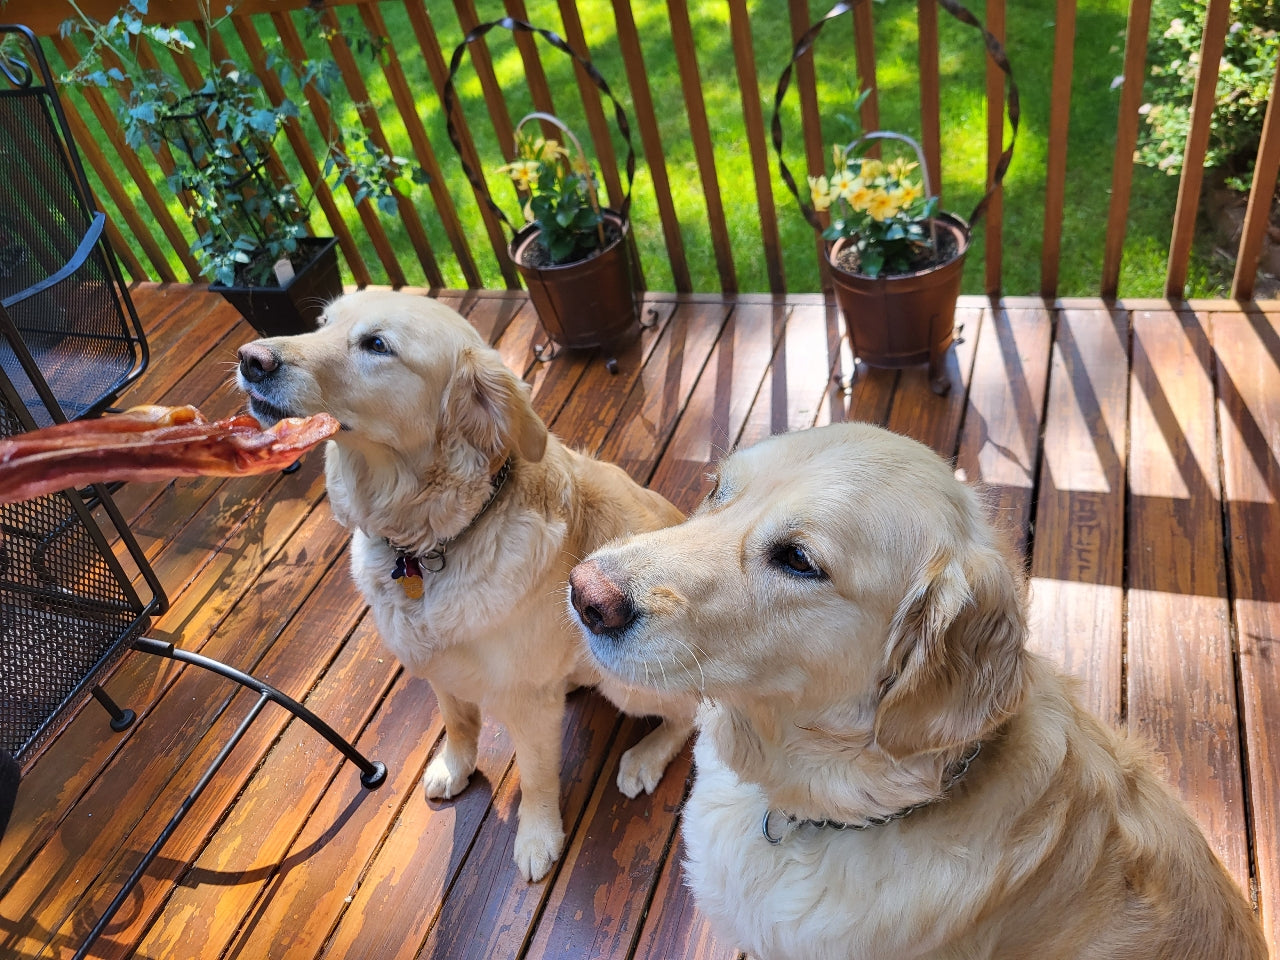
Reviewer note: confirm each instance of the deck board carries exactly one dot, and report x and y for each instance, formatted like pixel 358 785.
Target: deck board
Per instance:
pixel 1131 450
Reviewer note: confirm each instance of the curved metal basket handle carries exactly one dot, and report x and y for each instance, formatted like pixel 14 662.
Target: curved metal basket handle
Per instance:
pixel 994 49
pixel 514 25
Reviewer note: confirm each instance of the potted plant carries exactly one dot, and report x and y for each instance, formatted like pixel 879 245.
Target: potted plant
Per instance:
pixel 572 253
pixel 253 239
pixel 895 261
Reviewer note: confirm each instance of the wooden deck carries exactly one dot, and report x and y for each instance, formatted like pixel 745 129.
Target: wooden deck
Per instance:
pixel 1135 448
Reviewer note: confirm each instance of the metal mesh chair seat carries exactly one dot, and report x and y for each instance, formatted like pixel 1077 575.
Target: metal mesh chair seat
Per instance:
pixel 59 281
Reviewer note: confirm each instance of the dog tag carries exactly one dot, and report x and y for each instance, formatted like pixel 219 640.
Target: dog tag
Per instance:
pixel 409 573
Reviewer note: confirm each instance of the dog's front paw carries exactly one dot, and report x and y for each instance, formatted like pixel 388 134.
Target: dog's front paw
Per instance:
pixel 445 777
pixel 538 846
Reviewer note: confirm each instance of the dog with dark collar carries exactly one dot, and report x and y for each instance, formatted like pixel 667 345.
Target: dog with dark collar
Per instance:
pixel 466 517
pixel 883 771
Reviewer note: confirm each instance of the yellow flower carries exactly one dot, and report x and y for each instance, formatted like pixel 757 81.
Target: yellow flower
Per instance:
pixel 842 183
pixel 523 172
pixel 908 193
pixel 820 193
pixel 899 168
pixel 860 197
pixel 871 168
pixel 882 206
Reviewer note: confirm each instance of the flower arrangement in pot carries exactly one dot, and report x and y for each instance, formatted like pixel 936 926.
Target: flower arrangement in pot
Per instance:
pixel 896 262
pixel 253 240
pixel 572 252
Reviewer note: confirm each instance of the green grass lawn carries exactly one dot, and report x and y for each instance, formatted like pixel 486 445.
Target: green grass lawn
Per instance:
pixel 1030 37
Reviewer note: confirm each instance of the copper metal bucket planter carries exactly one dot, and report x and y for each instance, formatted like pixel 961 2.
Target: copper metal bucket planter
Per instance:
pixel 904 319
pixel 899 321
pixel 590 303
pixel 581 305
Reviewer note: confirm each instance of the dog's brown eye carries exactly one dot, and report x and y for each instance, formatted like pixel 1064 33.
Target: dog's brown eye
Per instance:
pixel 375 344
pixel 793 558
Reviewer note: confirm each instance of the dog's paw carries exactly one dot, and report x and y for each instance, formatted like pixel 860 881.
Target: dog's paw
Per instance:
pixel 538 846
pixel 444 778
pixel 639 771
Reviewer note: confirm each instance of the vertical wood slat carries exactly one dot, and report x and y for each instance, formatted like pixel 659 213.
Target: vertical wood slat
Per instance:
pixel 745 60
pixel 150 195
pixel 425 33
pixel 320 111
pixel 600 127
pixel 353 77
pixel 597 123
pixel 406 104
pixel 1056 166
pixel 248 34
pixel 482 63
pixel 90 150
pixel 535 78
pixel 804 79
pixel 691 81
pixel 994 253
pixel 864 43
pixel 1261 192
pixel 646 118
pixel 1203 100
pixel 930 109
pixel 1135 56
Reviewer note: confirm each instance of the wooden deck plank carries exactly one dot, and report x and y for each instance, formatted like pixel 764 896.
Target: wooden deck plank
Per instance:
pixel 1077 593
pixel 288 856
pixel 1247 349
pixel 1000 443
pixel 1180 673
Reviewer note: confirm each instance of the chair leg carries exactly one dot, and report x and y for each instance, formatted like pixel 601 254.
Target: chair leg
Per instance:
pixel 121 720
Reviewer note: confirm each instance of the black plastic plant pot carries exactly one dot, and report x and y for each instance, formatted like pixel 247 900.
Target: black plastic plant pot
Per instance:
pixel 295 307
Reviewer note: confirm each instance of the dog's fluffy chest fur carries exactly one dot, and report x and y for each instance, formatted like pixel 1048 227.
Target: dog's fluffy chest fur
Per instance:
pixel 767 895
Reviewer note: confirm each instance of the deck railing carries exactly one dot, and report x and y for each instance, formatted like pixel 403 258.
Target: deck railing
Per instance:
pixel 708 193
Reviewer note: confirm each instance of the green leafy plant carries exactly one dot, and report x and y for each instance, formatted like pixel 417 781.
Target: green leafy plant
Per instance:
pixel 879 206
pixel 558 193
pixel 1245 75
pixel 219 139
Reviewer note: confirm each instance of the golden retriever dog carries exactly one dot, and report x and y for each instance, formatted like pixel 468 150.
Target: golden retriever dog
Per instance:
pixel 466 517
pixel 883 771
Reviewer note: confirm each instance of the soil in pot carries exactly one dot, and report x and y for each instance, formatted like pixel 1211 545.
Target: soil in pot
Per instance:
pixel 924 258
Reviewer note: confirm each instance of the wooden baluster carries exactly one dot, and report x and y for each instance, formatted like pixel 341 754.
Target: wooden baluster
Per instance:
pixel 1261 193
pixel 1056 168
pixel 328 129
pixel 248 34
pixel 425 33
pixel 422 149
pixel 642 98
pixel 1135 55
pixel 930 86
pixel 744 58
pixel 687 58
pixel 407 211
pixel 995 146
pixel 1203 101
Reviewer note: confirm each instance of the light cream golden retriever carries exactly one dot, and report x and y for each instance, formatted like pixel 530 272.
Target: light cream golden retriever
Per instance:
pixel 466 517
pixel 882 769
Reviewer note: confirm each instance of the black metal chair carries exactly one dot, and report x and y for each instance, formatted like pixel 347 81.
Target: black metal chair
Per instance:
pixel 59 280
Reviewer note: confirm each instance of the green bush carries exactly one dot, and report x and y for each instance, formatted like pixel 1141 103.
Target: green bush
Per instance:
pixel 1244 87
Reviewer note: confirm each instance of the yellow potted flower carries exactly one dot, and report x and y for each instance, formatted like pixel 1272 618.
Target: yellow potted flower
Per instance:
pixel 571 252
pixel 896 261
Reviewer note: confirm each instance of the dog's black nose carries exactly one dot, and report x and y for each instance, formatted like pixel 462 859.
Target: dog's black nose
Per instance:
pixel 600 603
pixel 257 361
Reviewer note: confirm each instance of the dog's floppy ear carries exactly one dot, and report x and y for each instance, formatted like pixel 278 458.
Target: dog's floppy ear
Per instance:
pixel 489 406
pixel 956 655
